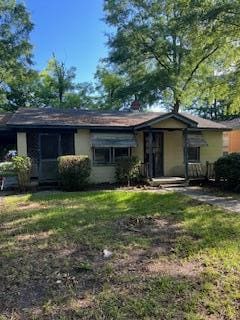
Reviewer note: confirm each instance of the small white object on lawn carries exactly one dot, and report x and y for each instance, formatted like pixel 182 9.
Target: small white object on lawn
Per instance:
pixel 107 253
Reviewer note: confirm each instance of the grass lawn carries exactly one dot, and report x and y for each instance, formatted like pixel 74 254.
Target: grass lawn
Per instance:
pixel 173 258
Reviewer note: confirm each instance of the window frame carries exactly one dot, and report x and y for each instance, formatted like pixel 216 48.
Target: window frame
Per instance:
pixel 197 160
pixel 112 158
pixel 101 163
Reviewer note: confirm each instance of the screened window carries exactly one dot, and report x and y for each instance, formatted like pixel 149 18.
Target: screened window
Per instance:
pixel 193 154
pixel 67 144
pixel 102 155
pixel 49 146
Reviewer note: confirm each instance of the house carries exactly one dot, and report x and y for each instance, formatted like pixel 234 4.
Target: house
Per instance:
pixel 231 139
pixel 165 143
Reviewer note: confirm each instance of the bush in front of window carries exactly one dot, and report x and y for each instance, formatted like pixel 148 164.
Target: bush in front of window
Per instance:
pixel 74 172
pixel 227 171
pixel 128 170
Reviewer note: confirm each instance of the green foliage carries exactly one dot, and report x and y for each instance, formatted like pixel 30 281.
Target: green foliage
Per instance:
pixel 15 48
pixel 74 172
pixel 227 170
pixel 167 49
pixel 7 169
pixel 128 170
pixel 22 167
pixel 109 86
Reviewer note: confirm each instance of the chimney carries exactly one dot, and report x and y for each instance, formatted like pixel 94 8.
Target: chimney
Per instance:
pixel 135 106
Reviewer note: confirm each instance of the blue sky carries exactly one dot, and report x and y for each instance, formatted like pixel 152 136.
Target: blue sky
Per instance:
pixel 73 30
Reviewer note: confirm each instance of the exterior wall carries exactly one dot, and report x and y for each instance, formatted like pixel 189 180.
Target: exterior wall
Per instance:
pixel 100 173
pixel 139 150
pixel 169 123
pixel 172 150
pixel 173 153
pixel 22 143
pixel 233 141
pixel 214 149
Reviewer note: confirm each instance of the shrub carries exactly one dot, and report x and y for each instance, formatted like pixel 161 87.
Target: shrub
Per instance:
pixel 22 166
pixel 128 170
pixel 7 169
pixel 227 170
pixel 74 172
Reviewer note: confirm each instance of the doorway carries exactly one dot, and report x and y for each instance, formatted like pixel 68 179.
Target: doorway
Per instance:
pixel 157 153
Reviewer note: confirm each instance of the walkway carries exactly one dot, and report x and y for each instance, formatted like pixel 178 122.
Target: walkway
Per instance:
pixel 225 202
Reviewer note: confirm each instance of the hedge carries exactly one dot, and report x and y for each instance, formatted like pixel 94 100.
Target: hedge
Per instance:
pixel 128 170
pixel 227 171
pixel 74 172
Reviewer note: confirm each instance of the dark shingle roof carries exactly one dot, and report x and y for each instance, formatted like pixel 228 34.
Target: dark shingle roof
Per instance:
pixel 233 124
pixel 48 117
pixel 4 118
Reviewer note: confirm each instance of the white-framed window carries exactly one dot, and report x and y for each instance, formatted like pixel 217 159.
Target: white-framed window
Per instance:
pixel 193 154
pixel 109 155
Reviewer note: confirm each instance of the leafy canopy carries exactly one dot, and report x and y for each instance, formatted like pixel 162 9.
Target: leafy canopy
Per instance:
pixel 171 47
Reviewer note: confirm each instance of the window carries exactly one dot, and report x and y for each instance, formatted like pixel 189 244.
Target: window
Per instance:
pixel 102 155
pixel 109 155
pixel 121 153
pixel 193 154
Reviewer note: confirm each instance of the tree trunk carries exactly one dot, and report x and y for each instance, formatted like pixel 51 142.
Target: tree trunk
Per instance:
pixel 176 106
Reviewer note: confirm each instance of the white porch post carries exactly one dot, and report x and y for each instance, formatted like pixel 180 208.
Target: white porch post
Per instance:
pixel 22 143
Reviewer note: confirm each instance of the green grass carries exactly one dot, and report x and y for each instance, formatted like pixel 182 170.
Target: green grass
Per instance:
pixel 173 258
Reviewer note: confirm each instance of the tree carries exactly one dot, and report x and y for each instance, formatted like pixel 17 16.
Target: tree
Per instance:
pixel 15 48
pixel 176 44
pixel 109 86
pixel 56 80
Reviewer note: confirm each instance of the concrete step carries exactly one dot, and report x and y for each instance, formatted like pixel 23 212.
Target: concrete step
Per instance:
pixel 155 182
pixel 175 185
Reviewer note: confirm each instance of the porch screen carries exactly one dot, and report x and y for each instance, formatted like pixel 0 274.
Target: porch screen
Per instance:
pixel 108 140
pixel 196 140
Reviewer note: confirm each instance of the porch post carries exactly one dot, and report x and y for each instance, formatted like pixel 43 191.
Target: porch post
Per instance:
pixel 185 150
pixel 150 138
pixel 22 143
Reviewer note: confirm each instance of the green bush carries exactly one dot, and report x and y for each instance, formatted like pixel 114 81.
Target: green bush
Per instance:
pixel 7 169
pixel 22 166
pixel 227 171
pixel 74 172
pixel 128 170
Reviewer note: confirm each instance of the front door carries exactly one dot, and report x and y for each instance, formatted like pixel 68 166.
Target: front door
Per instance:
pixel 157 152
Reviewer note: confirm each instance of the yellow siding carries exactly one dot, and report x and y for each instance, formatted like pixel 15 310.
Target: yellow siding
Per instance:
pixel 173 153
pixel 99 173
pixel 214 149
pixel 139 150
pixel 22 143
pixel 169 123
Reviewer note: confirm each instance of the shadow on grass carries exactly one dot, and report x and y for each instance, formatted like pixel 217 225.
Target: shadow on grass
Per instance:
pixel 52 254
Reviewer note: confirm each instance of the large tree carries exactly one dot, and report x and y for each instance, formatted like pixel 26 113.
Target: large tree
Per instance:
pixel 169 47
pixel 15 48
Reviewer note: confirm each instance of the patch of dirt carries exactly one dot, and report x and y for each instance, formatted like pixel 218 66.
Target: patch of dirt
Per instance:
pixel 171 268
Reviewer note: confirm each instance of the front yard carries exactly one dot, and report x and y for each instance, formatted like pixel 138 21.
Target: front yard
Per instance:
pixel 173 258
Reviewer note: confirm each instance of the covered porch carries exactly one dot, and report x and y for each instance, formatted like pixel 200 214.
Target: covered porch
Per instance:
pixel 175 150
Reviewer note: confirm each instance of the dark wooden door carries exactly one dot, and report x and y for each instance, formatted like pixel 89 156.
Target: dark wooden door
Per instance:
pixel 157 153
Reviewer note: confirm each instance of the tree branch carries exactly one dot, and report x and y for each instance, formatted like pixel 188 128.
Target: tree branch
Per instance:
pixel 198 65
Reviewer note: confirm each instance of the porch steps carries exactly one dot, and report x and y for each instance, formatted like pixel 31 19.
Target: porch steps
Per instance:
pixel 168 182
